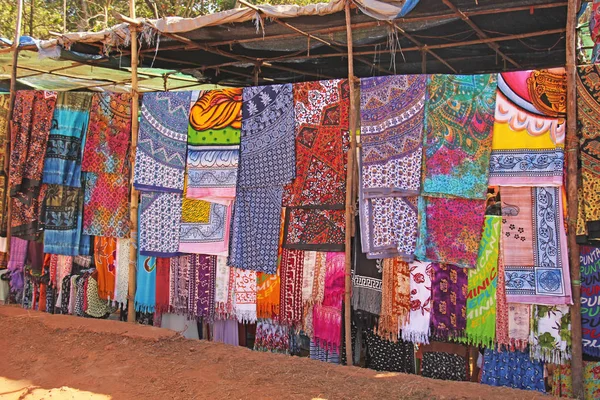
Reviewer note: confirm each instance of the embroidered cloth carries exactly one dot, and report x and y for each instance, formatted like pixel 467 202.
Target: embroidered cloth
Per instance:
pixel 589 258
pixel 449 293
pixel 63 221
pixel 315 229
pixel 160 220
pixel 529 128
pixel 416 330
pixel 459 120
pixel 290 308
pixel 327 316
pixel 145 287
pixel 245 295
pixel 512 369
pixel 450 230
pixel 550 336
pixel 106 208
pixel 535 246
pixel 161 149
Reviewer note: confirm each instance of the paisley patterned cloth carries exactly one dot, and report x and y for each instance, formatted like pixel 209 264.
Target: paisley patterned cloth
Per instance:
pixel 160 220
pixel 529 129
pixel 550 336
pixel 535 246
pixel 106 205
pixel 161 149
pixel 316 229
pixel 395 299
pixel 64 221
pixel 416 330
pixel 589 258
pixel 459 119
pixel 450 230
pixel 449 293
pixel 512 369
pixel 64 152
pixel 290 306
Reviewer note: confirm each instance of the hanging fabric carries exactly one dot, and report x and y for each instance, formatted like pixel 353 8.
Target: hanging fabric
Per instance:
pixel 16 262
pixel 385 355
pixel 145 292
pixel 327 316
pixel 179 284
pixel 268 295
pixel 63 222
pixel 512 369
pixel 223 299
pixel 366 280
pixel 122 273
pixel 502 329
pixel 245 295
pixel 206 266
pixel 290 269
pixel 4 111
pixel 589 258
pixel 550 336
pixel 314 229
pixel 449 294
pixel 562 384
pixel 160 221
pixel 417 328
pixel 272 337
pixel 105 252
pixel 106 205
pixel 163 274
pixel 395 298
pixel 519 316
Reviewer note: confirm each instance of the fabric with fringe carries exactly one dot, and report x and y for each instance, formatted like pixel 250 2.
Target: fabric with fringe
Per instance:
pixel 518 325
pixel 145 293
pixel 550 336
pixel 163 272
pixel 245 295
pixel 589 258
pixel 417 328
pixel 222 289
pixel 268 295
pixel 449 293
pixel 122 273
pixel 290 309
pixel 327 317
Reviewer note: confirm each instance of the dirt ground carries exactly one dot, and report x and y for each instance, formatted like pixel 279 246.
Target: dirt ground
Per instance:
pixel 46 356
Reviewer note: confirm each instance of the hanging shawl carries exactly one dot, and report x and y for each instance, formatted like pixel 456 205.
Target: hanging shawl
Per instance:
pixel 16 262
pixel 314 229
pixel 317 293
pixel 589 258
pixel 64 221
pixel 32 117
pixel 205 235
pixel 160 220
pixel 206 266
pixel 272 337
pixel 290 269
pixel 96 307
pixel 395 298
pixel 62 165
pixel 450 230
pixel 4 111
pixel 163 273
pixel 105 251
pixel 366 281
pixel 535 246
pixel 502 337
pixel 161 150
pixel 64 265
pixel 512 369
pixel 449 294
pixel 519 316
pixel 529 128
pixel 385 355
pixel 481 298
pixel 550 336
pixel 245 295
pixel 268 294
pixel 213 145
pixel 459 120
pixel 122 273
pixel 308 275
pixel 417 328
pixel 327 317
pixel 106 208
pixel 179 284
pixel 145 292
pixel 222 293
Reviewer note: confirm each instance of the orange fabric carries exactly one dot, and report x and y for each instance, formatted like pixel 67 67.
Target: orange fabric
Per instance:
pixel 105 254
pixel 42 306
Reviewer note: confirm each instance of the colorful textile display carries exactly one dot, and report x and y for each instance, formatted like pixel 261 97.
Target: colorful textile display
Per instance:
pixel 109 133
pixel 160 220
pixel 450 230
pixel 562 384
pixel 16 262
pixel 106 205
pixel 163 284
pixel 64 152
pixel 366 281
pixel 502 336
pixel 395 298
pixel 512 369
pixel 223 292
pixel 199 234
pixel 529 128
pixel 160 157
pixel 272 337
pixel 105 252
pixel 327 317
pixel 589 258
pixel 385 355
pixel 322 140
pixel 588 122
pixel 314 229
pixel 213 145
pixel 550 336
pixel 268 295
pixel 290 270
pixel 449 293
pixel 459 120
pixel 535 246
pixel 145 287
pixel 482 283
pixel 416 330
pixel 245 295
pixel 519 316
pixel 444 366
pixel 122 273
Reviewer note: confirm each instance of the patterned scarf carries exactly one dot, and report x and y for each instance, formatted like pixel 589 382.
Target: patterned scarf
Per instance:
pixel 450 230
pixel 161 150
pixel 395 299
pixel 163 275
pixel 562 385
pixel 245 295
pixel 481 300
pixel 308 275
pixel 16 262
pixel 213 145
pixel 417 328
pixel 105 252
pixel 589 258
pixel 502 337
pixel 64 220
pixel 529 129
pixel 366 281
pixel 179 285
pixel 32 118
pixel 206 266
pixel 459 120
pixel 145 292
pixel 512 369
pixel 106 208
pixel 122 274
pixel 160 220
pixel 290 309
pixel 535 246
pixel 62 165
pixel 64 265
pixel 327 316
pixel 449 294
pixel 317 293
pixel 316 229
pixel 96 307
pixel 222 294
pixel 268 294
pixel 519 316
pixel 550 336
pixel 272 337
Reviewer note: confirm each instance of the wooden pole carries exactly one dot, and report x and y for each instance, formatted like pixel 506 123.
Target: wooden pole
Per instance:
pixel 572 150
pixel 349 189
pixel 134 197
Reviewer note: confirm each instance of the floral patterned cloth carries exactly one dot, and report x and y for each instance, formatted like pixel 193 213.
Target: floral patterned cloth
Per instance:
pixel 449 293
pixel 416 330
pixel 445 366
pixel 315 229
pixel 106 205
pixel 562 385
pixel 245 295
pixel 550 336
pixel 160 219
pixel 385 355
pixel 272 337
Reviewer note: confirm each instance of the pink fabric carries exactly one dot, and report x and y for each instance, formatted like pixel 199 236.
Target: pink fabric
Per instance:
pixel 327 317
pixel 210 248
pixel 223 196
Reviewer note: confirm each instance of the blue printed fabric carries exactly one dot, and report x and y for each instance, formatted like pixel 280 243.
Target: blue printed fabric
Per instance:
pixel 512 369
pixel 160 222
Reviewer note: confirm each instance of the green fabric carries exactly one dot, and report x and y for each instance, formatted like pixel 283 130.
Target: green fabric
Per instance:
pixel 481 299
pixel 550 336
pixel 211 137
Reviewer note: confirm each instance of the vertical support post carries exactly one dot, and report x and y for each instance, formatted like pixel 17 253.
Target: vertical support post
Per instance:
pixel 349 189
pixel 572 156
pixel 134 197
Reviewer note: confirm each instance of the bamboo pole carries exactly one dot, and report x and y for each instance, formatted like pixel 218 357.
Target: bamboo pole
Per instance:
pixel 572 156
pixel 349 190
pixel 134 197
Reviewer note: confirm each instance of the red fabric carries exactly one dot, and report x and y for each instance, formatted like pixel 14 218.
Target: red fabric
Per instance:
pixel 163 273
pixel 290 305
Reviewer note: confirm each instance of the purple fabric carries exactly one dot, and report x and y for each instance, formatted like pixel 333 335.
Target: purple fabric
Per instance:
pixel 226 332
pixel 449 293
pixel 206 295
pixel 16 263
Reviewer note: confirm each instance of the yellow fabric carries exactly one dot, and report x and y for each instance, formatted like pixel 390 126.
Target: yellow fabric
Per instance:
pixel 194 210
pixel 505 138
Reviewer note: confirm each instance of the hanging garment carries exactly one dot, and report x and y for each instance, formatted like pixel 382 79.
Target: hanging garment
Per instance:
pixel 64 265
pixel 205 235
pixel 502 330
pixel 529 128
pixel 417 328
pixel 512 369
pixel 550 336
pixel 324 354
pixel 385 355
pixel 145 292
pixel 327 316
pixel 245 295
pixel 268 293
pixel 272 337
pixel 366 281
pixel 482 283
pixel 122 272
pixel 106 208
pixel 395 298
pixel 450 230
pixel 562 385
pixel 314 229
pixel 64 221
pixel 206 269
pixel 62 165
pixel 308 275
pixel 163 275
pixel 519 316
pixel 459 120
pixel 445 366
pixel 160 221
pixel 226 331
pixel 105 254
pixel 223 301
pixel 179 284
pixel 96 307
pixel 449 294
pixel 4 111
pixel 589 259
pixel 535 246
pixel 213 145
pixel 16 262
pixel 317 293
pixel 290 269
pixel 162 141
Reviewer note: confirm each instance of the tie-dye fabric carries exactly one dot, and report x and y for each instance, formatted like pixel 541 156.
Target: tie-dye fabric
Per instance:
pixel 106 205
